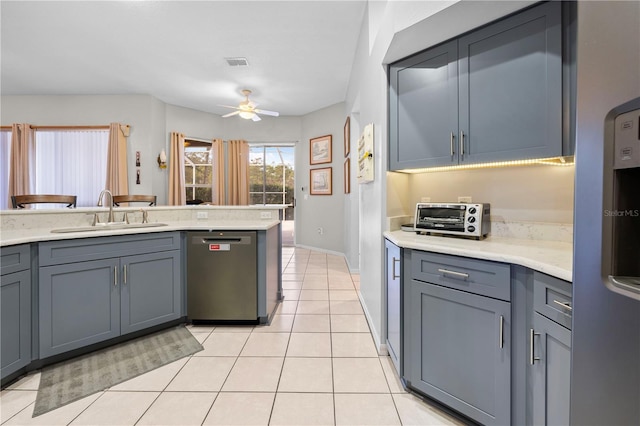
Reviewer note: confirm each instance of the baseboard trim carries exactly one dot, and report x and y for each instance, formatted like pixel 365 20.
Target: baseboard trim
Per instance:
pixel 381 347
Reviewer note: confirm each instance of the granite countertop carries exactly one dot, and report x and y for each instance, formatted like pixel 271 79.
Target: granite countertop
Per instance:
pixel 10 237
pixel 550 257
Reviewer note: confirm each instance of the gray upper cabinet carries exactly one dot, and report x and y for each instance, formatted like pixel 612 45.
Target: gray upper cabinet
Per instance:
pixel 15 309
pixel 494 94
pixel 511 88
pixel 423 109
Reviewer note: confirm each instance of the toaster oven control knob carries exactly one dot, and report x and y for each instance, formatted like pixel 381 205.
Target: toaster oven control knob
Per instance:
pixel 472 210
pixel 471 228
pixel 471 219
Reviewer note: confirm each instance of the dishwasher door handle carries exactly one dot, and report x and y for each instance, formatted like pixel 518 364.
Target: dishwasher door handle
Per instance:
pixel 199 240
pixel 221 240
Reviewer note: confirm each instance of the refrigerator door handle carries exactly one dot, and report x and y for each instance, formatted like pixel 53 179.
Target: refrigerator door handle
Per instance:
pixel 626 283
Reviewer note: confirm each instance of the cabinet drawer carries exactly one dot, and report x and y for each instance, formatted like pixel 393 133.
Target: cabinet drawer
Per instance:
pixel 14 259
pixel 481 277
pixel 85 249
pixel 552 298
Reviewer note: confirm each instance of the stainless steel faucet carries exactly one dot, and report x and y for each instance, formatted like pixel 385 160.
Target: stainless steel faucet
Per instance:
pixel 110 218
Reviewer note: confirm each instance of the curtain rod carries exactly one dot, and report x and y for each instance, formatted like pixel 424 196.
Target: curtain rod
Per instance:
pixel 189 138
pixel 88 127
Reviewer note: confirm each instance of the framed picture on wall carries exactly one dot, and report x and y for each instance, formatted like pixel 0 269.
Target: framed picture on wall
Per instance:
pixel 347 176
pixel 320 180
pixel 347 133
pixel 320 150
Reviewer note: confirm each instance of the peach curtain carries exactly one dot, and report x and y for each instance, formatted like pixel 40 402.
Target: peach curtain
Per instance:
pixel 217 189
pixel 177 191
pixel 23 140
pixel 117 175
pixel 238 151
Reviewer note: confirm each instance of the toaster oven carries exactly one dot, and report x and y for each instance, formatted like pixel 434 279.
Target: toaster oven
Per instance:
pixel 461 219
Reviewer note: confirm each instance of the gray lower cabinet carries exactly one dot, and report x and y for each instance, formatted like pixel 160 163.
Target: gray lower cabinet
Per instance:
pixel 79 305
pixel 103 296
pixel 150 290
pixel 549 344
pixel 393 289
pixel 15 322
pixel 550 371
pixel 15 309
pixel 459 350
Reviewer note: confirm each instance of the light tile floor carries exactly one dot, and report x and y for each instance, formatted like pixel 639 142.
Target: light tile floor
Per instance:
pixel 316 364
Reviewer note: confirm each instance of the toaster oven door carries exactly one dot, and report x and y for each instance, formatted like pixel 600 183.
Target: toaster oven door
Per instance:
pixel 441 218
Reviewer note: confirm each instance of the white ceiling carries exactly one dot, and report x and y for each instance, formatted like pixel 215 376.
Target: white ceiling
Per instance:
pixel 300 53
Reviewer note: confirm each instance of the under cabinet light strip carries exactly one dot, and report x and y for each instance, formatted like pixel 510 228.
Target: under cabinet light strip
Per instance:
pixel 555 161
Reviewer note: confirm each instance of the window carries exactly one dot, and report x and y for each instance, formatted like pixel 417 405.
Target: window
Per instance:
pixel 198 169
pixel 271 174
pixel 71 162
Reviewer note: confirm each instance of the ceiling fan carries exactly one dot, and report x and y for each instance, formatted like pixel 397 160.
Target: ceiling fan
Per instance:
pixel 247 109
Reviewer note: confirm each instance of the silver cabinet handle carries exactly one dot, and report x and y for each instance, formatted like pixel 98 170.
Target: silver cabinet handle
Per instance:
pixel 393 268
pixel 532 357
pixel 124 274
pixel 565 305
pixel 461 143
pixel 115 276
pixel 454 273
pixel 501 332
pixel 452 136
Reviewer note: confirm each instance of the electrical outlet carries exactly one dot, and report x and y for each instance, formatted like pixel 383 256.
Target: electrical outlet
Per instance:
pixel 202 215
pixel 265 215
pixel 464 199
pixel 425 199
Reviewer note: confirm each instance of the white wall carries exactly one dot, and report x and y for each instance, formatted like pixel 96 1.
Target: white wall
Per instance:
pixel 321 211
pixel 145 115
pixel 516 194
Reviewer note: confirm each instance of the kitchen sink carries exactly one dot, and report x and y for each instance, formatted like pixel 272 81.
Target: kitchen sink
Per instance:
pixel 108 227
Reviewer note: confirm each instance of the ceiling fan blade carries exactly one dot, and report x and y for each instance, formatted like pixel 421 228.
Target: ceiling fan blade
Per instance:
pixel 255 117
pixel 229 106
pixel 230 114
pixel 266 112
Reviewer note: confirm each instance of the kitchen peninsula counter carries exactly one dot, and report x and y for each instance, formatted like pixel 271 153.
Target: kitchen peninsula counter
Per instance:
pixel 28 226
pixel 550 257
pixel 22 236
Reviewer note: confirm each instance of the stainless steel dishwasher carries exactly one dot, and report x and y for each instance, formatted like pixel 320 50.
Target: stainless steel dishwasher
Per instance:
pixel 222 278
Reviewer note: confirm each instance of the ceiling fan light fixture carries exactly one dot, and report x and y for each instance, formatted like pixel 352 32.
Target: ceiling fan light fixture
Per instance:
pixel 246 114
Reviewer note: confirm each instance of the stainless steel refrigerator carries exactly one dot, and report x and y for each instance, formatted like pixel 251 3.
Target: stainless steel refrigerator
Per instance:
pixel 605 371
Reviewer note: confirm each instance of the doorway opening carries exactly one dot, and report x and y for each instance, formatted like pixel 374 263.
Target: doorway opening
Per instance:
pixel 272 182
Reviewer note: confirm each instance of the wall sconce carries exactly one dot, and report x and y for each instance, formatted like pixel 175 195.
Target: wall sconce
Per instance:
pixel 162 160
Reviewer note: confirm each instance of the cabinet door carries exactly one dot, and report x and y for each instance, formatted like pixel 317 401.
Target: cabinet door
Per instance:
pixel 511 88
pixel 150 290
pixel 460 351
pixel 550 374
pixel 393 272
pixel 15 325
pixel 423 109
pixel 79 305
